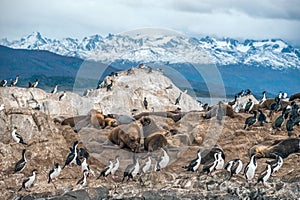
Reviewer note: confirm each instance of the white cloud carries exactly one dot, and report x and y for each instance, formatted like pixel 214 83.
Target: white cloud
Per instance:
pixel 78 18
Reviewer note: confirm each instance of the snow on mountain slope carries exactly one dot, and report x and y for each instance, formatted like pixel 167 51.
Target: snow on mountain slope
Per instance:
pixel 273 53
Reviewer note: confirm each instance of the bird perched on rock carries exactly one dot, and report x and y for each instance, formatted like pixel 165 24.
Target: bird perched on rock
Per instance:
pixel 85 165
pixel 115 167
pixel 250 169
pixel 264 98
pixel 145 102
pixel 62 96
pixel 195 163
pixel 209 168
pixel 82 181
pixel 27 183
pixel 280 120
pixel 178 99
pixel 241 93
pixel 249 106
pixel 276 164
pixel 261 118
pixel 72 157
pixel 234 167
pixel 14 82
pixel 265 175
pixel 54 90
pixel 21 164
pixel 146 166
pixel 163 161
pixel 250 120
pixel 35 83
pixel 54 173
pixel 275 106
pixel 107 170
pixel 17 137
pixel 248 92
pixel 3 83
pixel 220 163
pixel 132 169
pixel 109 86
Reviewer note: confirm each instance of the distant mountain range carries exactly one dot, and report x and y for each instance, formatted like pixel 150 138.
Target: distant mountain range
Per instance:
pixel 270 65
pixel 273 53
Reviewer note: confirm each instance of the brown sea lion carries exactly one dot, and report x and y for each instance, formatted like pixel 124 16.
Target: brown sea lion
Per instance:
pixel 149 126
pixel 97 119
pixel 227 109
pixel 110 122
pixel 155 141
pixel 295 96
pixel 282 148
pixel 127 136
pixel 267 104
pixel 71 121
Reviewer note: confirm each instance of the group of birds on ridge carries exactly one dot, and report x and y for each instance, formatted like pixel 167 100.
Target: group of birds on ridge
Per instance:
pixel 234 167
pixel 80 156
pixel 289 114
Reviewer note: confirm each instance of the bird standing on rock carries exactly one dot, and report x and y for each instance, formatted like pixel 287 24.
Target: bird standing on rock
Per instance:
pixel 178 99
pixel 250 169
pixel 72 157
pixel 163 161
pixel 280 120
pixel 276 164
pixel 109 86
pixel 54 173
pixel 234 167
pixel 275 106
pixel 194 164
pixel 3 83
pixel 115 167
pixel 261 117
pixel 82 182
pixel 27 183
pixel 250 120
pixel 209 168
pixel 21 164
pixel 145 102
pixel 107 170
pixel 54 89
pixel 132 170
pixel 249 106
pixel 14 82
pixel 62 96
pixel 265 175
pixel 17 137
pixel 146 166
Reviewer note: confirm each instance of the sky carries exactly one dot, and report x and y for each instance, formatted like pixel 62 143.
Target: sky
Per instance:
pixel 239 19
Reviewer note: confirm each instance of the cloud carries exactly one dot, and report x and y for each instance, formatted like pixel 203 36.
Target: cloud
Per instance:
pixel 78 18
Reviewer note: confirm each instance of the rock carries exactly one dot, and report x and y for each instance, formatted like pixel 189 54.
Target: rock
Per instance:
pixel 151 195
pixel 78 194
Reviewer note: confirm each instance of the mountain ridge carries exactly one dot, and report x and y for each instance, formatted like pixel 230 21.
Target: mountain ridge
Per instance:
pixel 274 53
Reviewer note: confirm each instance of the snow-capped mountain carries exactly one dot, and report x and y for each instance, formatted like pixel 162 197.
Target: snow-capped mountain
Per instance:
pixel 273 53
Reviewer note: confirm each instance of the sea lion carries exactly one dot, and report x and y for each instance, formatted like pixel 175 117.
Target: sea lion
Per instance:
pixel 155 141
pixel 282 148
pixel 295 96
pixel 127 136
pixel 71 121
pixel 149 126
pixel 267 104
pixel 110 122
pixel 97 119
pixel 227 110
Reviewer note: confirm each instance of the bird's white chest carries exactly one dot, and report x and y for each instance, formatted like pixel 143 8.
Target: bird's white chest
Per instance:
pixel 30 181
pixel 136 169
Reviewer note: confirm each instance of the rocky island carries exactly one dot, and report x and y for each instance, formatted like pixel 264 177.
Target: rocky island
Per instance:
pixel 115 121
